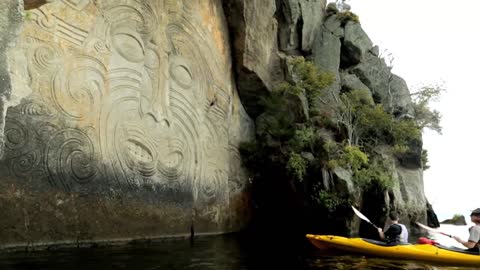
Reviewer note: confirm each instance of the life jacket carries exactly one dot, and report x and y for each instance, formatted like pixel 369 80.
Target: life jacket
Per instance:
pixel 392 235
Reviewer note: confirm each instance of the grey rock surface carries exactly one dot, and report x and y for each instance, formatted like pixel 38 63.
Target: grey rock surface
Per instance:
pixel 356 43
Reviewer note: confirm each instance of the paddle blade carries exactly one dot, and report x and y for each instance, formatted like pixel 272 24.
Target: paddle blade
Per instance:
pixel 431 229
pixel 360 215
pixel 426 227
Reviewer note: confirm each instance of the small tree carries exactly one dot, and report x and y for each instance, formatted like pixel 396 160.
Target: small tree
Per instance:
pixel 425 117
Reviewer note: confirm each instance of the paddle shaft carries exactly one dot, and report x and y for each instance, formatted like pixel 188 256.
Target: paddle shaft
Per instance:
pixel 433 230
pixel 362 216
pixel 446 234
pixel 373 225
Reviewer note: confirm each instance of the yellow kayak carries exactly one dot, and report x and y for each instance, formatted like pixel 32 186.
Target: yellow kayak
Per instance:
pixel 419 252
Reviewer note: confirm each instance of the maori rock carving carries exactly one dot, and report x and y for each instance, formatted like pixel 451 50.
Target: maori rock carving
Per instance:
pixel 128 99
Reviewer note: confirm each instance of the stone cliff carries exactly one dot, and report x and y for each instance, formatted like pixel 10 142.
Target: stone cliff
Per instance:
pixel 266 36
pixel 123 119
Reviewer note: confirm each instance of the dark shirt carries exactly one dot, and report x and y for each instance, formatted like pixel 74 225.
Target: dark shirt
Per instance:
pixel 392 234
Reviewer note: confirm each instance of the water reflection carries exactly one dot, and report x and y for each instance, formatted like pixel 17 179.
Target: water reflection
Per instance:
pixel 223 252
pixel 358 262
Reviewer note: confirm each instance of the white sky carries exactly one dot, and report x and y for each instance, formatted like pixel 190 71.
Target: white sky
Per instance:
pixel 434 41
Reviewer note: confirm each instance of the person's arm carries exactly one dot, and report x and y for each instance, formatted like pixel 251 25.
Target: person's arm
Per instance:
pixel 472 239
pixel 468 244
pixel 381 233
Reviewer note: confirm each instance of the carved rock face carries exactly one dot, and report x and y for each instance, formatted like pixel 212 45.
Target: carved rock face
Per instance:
pixel 132 98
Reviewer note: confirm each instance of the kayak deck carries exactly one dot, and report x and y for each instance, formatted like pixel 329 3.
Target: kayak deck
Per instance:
pixel 421 252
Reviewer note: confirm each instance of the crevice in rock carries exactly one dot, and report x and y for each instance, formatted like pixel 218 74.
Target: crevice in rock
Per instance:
pixel 346 61
pixel 32 4
pixel 432 219
pixel 300 32
pixel 249 84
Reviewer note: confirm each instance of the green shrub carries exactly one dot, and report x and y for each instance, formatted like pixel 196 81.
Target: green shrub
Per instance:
pixel 281 133
pixel 368 125
pixel 457 216
pixel 405 131
pixel 304 138
pixel 328 200
pixel 354 157
pixel 309 78
pixel 348 157
pixel 346 16
pixel 425 117
pixel 399 149
pixel 376 173
pixel 297 166
pixel 424 158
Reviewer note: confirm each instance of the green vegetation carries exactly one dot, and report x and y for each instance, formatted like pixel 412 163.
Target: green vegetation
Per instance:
pixel 28 15
pixel 368 124
pixel 343 16
pixel 309 80
pixel 346 16
pixel 328 200
pixel 425 117
pixel 297 166
pixel 424 157
pixel 348 156
pixel 457 217
pixel 300 136
pixel 378 172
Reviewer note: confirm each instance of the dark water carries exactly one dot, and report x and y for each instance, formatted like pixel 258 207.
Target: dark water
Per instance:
pixel 221 252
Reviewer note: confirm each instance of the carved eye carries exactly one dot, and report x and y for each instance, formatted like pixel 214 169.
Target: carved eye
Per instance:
pixel 180 72
pixel 128 45
pixel 152 60
pixel 182 75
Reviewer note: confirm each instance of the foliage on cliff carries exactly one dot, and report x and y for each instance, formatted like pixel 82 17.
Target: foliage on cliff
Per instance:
pixel 425 116
pixel 299 138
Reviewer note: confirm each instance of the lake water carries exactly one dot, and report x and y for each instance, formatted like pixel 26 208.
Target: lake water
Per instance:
pixel 219 252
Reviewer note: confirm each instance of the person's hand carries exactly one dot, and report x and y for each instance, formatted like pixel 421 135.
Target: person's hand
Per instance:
pixel 380 230
pixel 458 239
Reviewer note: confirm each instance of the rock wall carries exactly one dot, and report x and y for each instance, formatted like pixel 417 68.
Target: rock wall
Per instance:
pixel 343 48
pixel 265 35
pixel 126 125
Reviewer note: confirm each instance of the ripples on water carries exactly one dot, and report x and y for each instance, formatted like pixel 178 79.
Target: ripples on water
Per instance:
pixel 222 252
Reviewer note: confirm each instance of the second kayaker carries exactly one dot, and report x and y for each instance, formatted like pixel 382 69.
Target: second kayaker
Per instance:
pixel 396 233
pixel 473 241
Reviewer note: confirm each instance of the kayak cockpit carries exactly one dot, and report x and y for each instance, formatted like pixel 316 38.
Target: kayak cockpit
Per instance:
pixel 384 244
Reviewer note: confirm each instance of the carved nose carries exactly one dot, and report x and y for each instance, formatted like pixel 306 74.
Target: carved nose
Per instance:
pixel 158 118
pixel 155 114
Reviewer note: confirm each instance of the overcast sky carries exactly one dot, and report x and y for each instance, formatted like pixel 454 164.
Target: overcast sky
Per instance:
pixel 434 41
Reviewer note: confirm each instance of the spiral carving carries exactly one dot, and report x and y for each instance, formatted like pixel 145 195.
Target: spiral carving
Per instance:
pixel 16 134
pixel 70 158
pixel 23 165
pixel 45 57
pixel 79 91
pixel 213 184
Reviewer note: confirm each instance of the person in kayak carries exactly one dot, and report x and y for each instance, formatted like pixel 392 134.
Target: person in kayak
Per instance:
pixel 396 233
pixel 473 241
